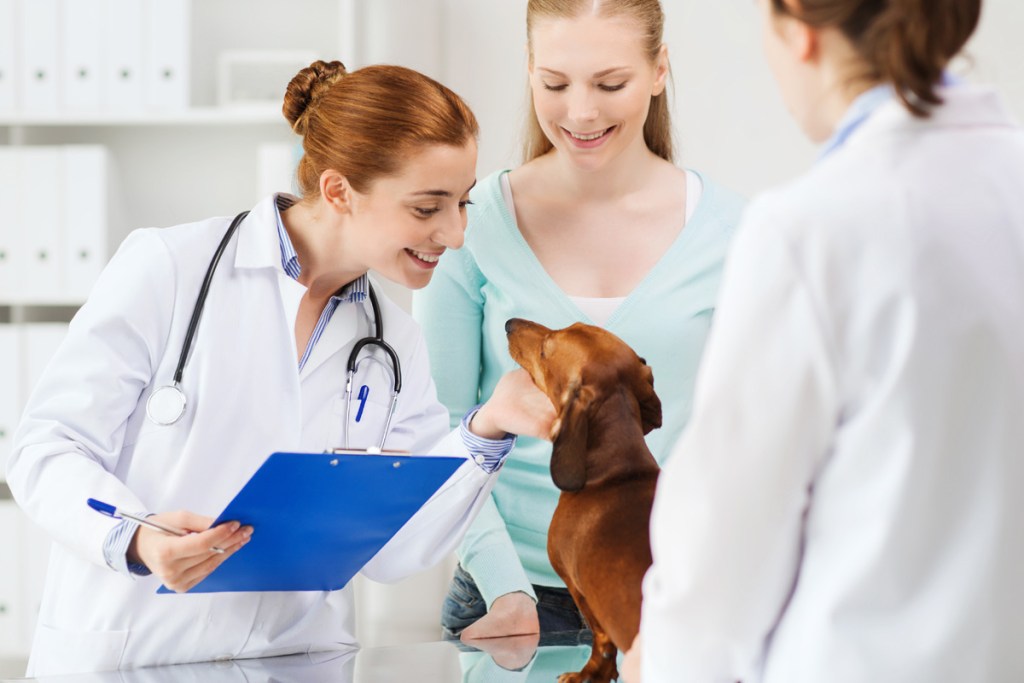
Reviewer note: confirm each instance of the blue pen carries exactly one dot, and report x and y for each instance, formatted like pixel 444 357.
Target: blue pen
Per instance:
pixel 111 511
pixel 364 393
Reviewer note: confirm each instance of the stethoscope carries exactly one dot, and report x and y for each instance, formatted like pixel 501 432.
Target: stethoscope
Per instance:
pixel 167 404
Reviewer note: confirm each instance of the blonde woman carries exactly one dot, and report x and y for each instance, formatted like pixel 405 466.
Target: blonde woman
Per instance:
pixel 598 225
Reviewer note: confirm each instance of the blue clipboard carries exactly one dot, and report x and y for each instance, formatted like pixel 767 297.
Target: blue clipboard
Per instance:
pixel 319 517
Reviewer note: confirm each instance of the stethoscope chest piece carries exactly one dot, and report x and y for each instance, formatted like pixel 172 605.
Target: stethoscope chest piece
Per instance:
pixel 166 405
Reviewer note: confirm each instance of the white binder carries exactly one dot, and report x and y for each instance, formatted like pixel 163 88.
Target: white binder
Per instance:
pixel 37 233
pixel 10 391
pixel 8 52
pixel 80 35
pixel 38 63
pixel 166 56
pixel 12 640
pixel 84 195
pixel 10 208
pixel 121 56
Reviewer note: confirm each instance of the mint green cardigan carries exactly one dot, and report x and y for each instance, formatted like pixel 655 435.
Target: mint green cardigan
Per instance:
pixel 496 276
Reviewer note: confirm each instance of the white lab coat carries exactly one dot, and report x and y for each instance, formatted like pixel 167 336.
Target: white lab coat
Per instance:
pixel 85 434
pixel 846 504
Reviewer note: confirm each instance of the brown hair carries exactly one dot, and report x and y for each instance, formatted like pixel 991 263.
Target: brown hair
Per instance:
pixel 658 127
pixel 906 43
pixel 363 124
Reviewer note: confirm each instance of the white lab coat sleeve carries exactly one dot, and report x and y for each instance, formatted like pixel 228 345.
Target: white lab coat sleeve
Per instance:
pixel 438 527
pixel 72 432
pixel 727 524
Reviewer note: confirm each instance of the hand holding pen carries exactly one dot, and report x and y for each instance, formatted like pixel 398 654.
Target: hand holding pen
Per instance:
pixel 181 562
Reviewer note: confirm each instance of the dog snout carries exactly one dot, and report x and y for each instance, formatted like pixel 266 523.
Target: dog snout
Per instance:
pixel 511 324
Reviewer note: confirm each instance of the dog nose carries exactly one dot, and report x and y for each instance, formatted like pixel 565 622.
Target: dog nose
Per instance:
pixel 510 324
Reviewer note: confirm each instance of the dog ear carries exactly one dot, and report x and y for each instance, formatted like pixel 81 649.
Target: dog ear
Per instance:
pixel 569 449
pixel 650 404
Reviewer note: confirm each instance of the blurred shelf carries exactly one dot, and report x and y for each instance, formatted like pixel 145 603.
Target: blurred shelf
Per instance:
pixel 41 303
pixel 199 116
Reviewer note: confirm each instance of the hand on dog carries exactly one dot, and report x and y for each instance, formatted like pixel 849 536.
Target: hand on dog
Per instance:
pixel 517 406
pixel 513 614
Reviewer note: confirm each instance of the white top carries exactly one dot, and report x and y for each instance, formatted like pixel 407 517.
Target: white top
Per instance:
pixel 846 504
pixel 600 309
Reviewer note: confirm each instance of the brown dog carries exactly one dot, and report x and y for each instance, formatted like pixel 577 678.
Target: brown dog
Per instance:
pixel 598 540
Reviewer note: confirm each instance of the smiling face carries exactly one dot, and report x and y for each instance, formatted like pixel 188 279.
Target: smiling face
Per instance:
pixel 592 83
pixel 404 222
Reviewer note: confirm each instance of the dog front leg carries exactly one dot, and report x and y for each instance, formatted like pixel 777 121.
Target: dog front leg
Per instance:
pixel 601 667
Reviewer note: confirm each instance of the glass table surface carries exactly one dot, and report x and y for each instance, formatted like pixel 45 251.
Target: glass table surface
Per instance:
pixel 518 659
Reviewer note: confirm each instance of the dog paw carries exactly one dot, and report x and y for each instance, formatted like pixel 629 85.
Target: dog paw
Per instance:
pixel 584 678
pixel 573 678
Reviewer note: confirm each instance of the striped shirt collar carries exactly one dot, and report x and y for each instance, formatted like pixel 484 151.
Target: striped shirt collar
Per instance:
pixel 863 107
pixel 353 292
pixel 859 111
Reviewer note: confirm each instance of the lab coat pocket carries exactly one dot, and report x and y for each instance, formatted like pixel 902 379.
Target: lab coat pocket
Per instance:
pixel 365 421
pixel 58 651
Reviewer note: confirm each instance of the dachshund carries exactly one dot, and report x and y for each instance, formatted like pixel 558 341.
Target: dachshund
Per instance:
pixel 598 541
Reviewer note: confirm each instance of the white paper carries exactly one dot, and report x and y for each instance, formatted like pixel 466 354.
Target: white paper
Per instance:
pixel 85 197
pixel 10 208
pixel 166 61
pixel 121 56
pixel 10 391
pixel 37 234
pixel 38 63
pixel 80 36
pixel 8 64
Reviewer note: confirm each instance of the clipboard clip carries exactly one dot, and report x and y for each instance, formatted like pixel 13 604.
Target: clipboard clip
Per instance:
pixel 372 450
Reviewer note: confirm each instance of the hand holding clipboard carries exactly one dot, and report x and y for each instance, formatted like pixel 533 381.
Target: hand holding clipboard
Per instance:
pixel 319 517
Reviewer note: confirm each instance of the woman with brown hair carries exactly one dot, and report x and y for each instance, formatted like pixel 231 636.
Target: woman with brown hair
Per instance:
pixel 845 504
pixel 597 225
pixel 389 161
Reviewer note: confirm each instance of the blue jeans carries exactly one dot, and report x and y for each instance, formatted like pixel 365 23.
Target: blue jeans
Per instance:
pixel 464 605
